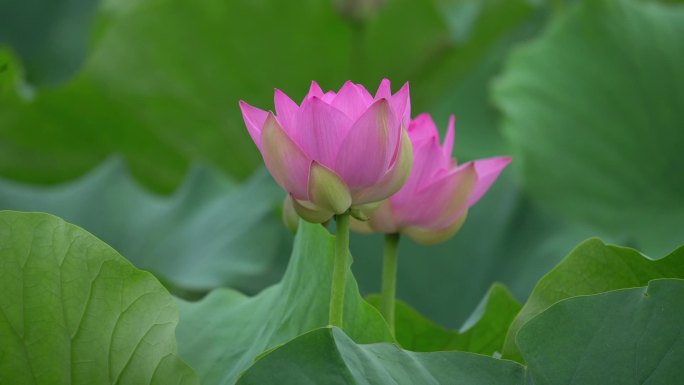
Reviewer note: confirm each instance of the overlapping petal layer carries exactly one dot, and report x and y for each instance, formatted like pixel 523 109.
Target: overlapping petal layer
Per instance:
pixel 433 203
pixel 351 140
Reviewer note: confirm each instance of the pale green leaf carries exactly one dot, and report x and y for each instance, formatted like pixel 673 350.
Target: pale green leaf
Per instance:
pixel 73 311
pixel 221 335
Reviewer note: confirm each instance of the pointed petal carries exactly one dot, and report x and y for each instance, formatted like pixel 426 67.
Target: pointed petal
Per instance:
pixel 320 129
pixel 286 110
pixel 459 184
pixel 327 190
pixel 440 202
pixel 426 164
pixel 422 128
pixel 367 97
pixel 384 90
pixel 254 120
pixel 314 90
pixel 286 162
pixel 448 145
pixel 350 101
pixel 487 172
pixel 429 236
pixel 329 96
pixel 366 152
pixel 310 213
pixel 401 104
pixel 393 179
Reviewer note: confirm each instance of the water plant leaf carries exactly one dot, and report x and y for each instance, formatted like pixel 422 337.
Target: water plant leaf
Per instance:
pixel 591 268
pixel 482 333
pixel 601 143
pixel 624 336
pixel 212 232
pixel 73 311
pixel 328 356
pixel 221 335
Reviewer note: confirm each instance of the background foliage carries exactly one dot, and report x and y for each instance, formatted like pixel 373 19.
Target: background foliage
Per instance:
pixel 121 117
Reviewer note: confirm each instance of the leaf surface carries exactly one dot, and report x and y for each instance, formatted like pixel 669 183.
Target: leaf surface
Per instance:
pixel 328 356
pixel 73 311
pixel 482 333
pixel 212 232
pixel 593 268
pixel 221 335
pixel 593 111
pixel 629 336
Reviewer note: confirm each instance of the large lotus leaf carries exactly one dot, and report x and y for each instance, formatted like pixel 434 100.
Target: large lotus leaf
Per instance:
pixel 221 335
pixel 482 333
pixel 450 51
pixel 163 79
pixel 328 356
pixel 629 336
pixel 73 311
pixel 593 111
pixel 161 86
pixel 593 268
pixel 210 233
pixel 506 238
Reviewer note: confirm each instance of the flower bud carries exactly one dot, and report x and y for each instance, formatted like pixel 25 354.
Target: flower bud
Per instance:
pixel 433 203
pixel 335 151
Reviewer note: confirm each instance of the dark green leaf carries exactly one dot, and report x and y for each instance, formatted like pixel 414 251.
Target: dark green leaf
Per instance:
pixel 450 51
pixel 73 311
pixel 328 356
pixel 221 335
pixel 506 238
pixel 630 336
pixel 594 113
pixel 163 80
pixel 593 268
pixel 162 85
pixel 483 332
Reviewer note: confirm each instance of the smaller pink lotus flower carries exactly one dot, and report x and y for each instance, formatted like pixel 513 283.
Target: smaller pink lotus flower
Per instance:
pixel 335 151
pixel 433 203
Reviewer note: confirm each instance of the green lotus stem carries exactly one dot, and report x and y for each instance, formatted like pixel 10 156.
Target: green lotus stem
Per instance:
pixel 341 264
pixel 389 279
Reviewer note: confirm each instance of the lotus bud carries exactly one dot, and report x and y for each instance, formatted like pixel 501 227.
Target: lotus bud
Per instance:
pixel 335 151
pixel 433 203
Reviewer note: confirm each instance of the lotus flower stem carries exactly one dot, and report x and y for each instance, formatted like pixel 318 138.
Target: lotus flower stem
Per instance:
pixel 389 279
pixel 341 265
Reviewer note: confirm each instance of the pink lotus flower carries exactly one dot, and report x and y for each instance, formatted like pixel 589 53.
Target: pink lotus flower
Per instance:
pixel 335 151
pixel 433 204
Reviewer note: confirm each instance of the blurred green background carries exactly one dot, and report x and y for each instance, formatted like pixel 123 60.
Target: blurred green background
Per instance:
pixel 122 116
